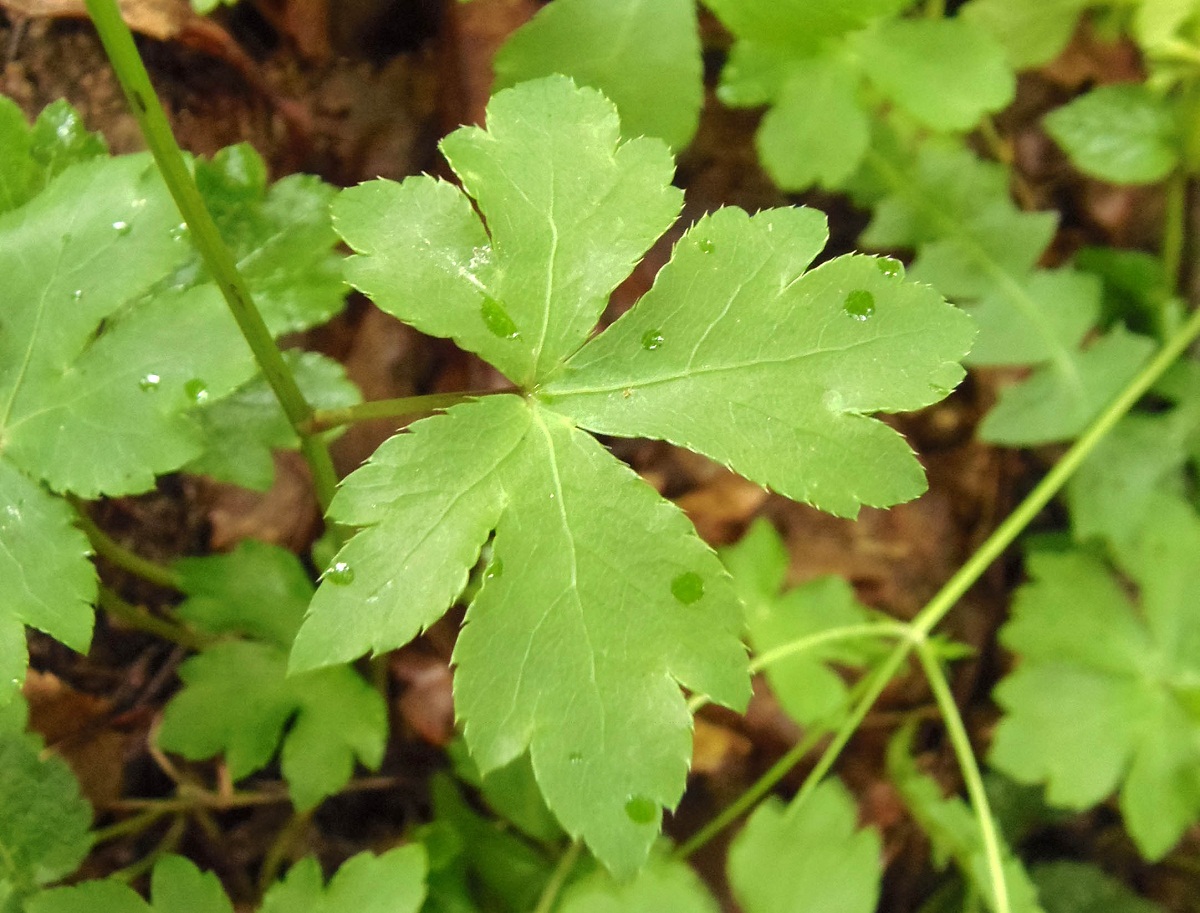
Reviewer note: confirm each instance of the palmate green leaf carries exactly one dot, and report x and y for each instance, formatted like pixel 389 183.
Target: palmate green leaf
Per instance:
pixel 599 600
pixel 829 863
pixel 176 886
pixel 44 821
pixel 808 689
pixel 393 882
pixel 237 697
pixel 524 293
pixel 1030 31
pixel 954 831
pixel 1122 133
pixel 974 245
pixel 733 314
pixel 1125 681
pixel 644 55
pixel 242 429
pixel 599 597
pixel 664 884
pixel 946 73
pixel 1157 21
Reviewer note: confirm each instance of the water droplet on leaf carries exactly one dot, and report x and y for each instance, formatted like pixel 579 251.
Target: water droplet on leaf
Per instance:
pixel 77 294
pixel 495 569
pixel 196 390
pixel 890 266
pixel 149 383
pixel 340 574
pixel 860 304
pixel 575 757
pixel 641 810
pixel 706 246
pixel 496 319
pixel 651 340
pixel 688 587
pixel 179 232
pixel 122 228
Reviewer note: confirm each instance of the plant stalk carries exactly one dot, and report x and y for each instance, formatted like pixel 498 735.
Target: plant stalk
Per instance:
pixel 119 556
pixel 141 620
pixel 324 419
pixel 147 110
pixel 558 877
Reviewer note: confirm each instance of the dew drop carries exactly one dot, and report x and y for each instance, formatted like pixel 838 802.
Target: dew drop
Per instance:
pixel 496 319
pixel 122 228
pixel 149 383
pixel 641 810
pixel 890 267
pixel 495 569
pixel 651 340
pixel 859 304
pixel 575 757
pixel 688 587
pixel 179 232
pixel 706 246
pixel 77 294
pixel 340 574
pixel 196 390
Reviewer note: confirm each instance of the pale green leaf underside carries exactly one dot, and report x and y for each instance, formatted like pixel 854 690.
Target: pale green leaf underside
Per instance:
pixel 1125 684
pixel 569 209
pixel 801 25
pixel 1121 133
pixel 739 354
pixel 49 584
pixel 599 598
pixel 237 699
pixel 644 55
pixel 945 72
pixel 816 131
pixel 830 864
pixel 1030 31
pixel 393 882
pixel 663 884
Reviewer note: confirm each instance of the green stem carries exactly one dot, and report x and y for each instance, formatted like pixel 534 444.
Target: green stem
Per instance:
pixel 324 419
pixel 119 556
pixel 134 825
pixel 131 72
pixel 142 620
pixel 282 844
pixel 759 788
pixel 804 644
pixel 970 773
pixel 558 878
pixel 1000 539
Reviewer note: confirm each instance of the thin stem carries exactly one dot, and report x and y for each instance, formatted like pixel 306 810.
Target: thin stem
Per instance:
pixel 324 419
pixel 804 644
pixel 141 620
pixel 134 825
pixel 168 844
pixel 131 72
pixel 119 556
pixel 558 878
pixel 1000 539
pixel 970 772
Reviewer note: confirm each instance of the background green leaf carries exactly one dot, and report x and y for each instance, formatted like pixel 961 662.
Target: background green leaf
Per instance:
pixel 644 55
